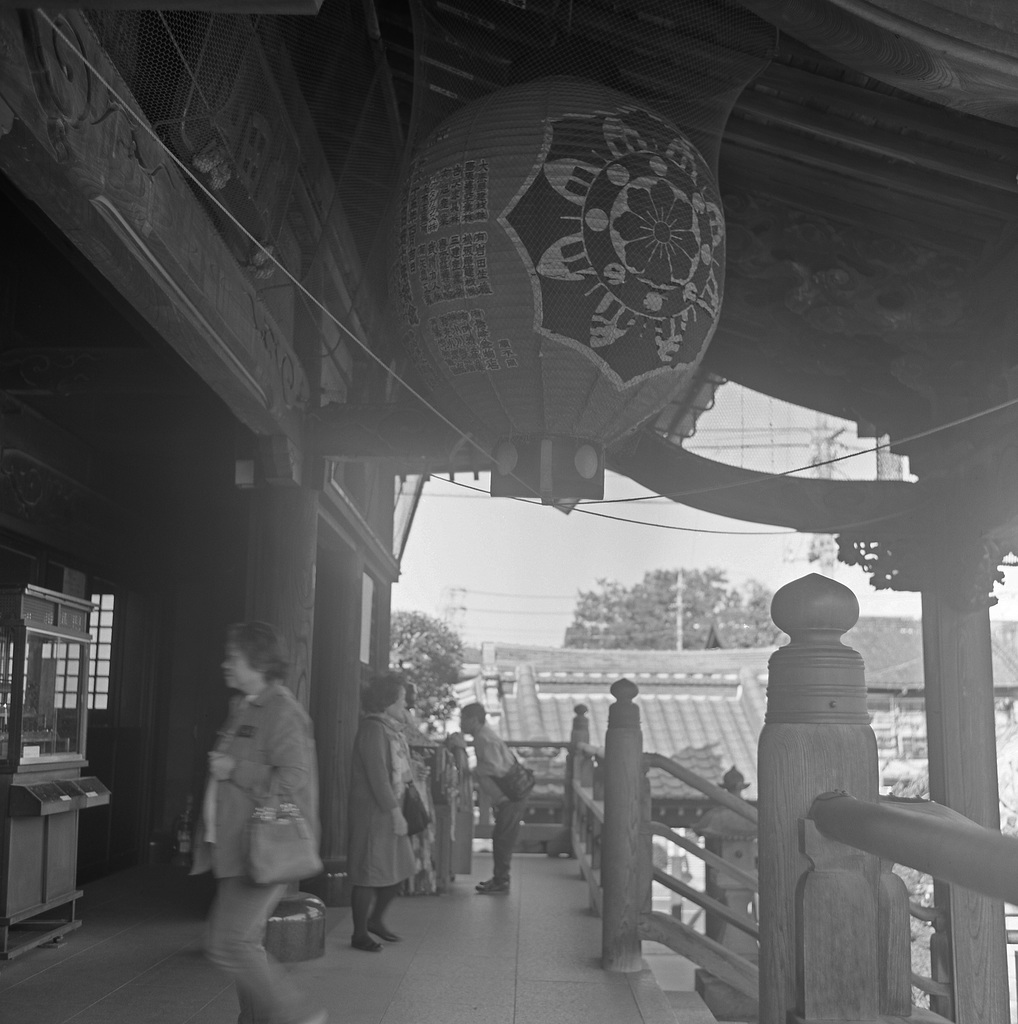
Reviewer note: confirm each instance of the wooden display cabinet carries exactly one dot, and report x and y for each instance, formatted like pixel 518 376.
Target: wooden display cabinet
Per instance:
pixel 44 662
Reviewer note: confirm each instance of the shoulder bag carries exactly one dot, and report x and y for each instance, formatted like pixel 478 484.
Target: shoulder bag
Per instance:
pixel 517 782
pixel 282 844
pixel 416 814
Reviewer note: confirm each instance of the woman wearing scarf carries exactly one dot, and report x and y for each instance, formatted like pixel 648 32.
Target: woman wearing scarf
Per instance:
pixel 380 853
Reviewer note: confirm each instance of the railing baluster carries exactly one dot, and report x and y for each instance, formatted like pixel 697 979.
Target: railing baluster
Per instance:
pixel 894 959
pixel 620 840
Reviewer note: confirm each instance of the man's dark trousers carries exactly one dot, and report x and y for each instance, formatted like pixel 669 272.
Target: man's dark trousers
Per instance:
pixel 504 835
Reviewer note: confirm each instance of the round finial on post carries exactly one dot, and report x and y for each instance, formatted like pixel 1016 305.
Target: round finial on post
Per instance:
pixel 581 726
pixel 734 781
pixel 814 602
pixel 816 678
pixel 624 712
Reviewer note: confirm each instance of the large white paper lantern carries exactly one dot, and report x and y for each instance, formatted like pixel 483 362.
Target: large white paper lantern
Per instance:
pixel 557 274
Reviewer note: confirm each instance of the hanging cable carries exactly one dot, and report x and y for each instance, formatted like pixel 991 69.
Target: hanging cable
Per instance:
pixel 127 109
pixel 265 251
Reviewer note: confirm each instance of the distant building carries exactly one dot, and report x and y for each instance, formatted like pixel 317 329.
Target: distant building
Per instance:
pixel 706 708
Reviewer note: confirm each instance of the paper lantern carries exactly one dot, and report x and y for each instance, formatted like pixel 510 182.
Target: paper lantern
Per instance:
pixel 557 275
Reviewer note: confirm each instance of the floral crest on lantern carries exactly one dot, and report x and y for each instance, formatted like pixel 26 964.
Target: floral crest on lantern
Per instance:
pixel 620 227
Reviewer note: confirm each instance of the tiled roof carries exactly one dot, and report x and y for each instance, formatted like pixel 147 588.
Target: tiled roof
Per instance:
pixel 892 649
pixel 704 706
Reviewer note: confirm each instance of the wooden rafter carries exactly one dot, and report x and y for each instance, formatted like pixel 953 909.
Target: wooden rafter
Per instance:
pixel 810 506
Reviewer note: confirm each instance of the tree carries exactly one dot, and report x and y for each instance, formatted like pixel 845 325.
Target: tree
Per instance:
pixel 430 654
pixel 645 616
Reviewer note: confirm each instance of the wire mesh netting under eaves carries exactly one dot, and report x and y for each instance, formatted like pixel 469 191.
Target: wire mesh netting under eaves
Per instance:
pixel 298 128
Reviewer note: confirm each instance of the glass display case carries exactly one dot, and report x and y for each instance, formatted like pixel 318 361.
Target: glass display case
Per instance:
pixel 44 646
pixel 42 696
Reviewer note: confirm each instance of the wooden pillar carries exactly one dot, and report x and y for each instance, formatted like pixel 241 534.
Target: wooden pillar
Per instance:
pixel 620 843
pixel 957 659
pixel 281 577
pixel 336 705
pixel 462 854
pixel 816 738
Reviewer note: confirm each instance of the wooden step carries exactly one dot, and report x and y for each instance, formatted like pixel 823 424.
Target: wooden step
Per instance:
pixel 689 1008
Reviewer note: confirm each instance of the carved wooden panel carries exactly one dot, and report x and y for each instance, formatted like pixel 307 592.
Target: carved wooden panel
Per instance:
pixel 83 154
pixel 841 279
pixel 842 317
pixel 218 6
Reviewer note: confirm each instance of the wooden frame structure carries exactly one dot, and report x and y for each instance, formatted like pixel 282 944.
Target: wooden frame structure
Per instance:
pixel 232 360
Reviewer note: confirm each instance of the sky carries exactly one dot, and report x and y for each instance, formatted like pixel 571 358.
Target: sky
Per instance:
pixel 504 570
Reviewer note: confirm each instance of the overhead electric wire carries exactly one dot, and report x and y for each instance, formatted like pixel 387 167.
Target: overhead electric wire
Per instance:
pixel 127 109
pixel 761 477
pixel 840 528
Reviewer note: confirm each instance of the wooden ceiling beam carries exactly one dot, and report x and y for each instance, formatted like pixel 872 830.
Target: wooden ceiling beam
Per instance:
pixel 89 371
pixel 809 506
pixel 211 6
pixel 898 178
pixel 880 141
pixel 959 59
pixel 772 178
pixel 891 111
pixel 393 431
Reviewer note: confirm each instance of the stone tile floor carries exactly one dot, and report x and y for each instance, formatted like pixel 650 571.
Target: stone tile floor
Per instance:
pixel 530 957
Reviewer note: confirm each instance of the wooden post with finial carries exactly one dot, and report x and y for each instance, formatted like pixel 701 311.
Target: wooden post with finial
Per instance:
pixel 579 734
pixel 620 840
pixel 563 842
pixel 816 738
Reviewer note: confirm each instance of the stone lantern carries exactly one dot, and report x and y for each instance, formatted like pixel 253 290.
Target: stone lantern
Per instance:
pixel 734 839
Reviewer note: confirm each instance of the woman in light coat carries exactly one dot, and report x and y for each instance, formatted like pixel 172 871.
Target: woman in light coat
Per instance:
pixel 380 853
pixel 265 741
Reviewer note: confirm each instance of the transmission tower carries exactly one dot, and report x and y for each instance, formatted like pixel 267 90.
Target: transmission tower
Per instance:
pixel 824 446
pixel 454 607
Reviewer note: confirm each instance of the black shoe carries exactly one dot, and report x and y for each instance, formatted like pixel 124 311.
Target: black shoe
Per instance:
pixel 493 885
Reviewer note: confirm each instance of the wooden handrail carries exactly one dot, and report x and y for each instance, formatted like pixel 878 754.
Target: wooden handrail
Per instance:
pixel 931 915
pixel 690 778
pixel 926 836
pixel 931 987
pixel 741 921
pixel 586 797
pixel 737 971
pixel 748 878
pixel 538 744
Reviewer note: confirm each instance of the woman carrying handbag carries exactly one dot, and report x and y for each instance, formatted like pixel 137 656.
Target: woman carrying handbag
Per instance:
pixel 381 778
pixel 264 756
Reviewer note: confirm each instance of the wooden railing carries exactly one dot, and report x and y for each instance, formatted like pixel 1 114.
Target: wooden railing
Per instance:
pixel 722 962
pixel 611 801
pixel 932 839
pixel 587 819
pixel 834 918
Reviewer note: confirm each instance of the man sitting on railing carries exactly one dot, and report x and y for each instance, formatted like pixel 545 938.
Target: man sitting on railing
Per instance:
pixel 494 759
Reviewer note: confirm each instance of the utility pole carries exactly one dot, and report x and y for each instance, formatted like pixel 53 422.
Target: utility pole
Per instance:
pixel 678 610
